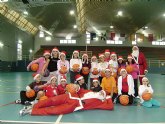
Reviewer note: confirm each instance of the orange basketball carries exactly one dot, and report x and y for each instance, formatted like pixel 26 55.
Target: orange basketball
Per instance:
pixel 34 67
pixel 85 70
pixel 75 67
pixel 71 88
pixel 43 98
pixel 146 96
pixel 95 71
pixel 129 68
pixel 30 93
pixel 63 70
pixel 124 100
pixel 102 73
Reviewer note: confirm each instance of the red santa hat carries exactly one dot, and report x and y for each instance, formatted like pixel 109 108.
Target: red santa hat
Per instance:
pixel 78 77
pixel 63 53
pixel 95 80
pixel 46 52
pixel 52 77
pixel 107 51
pixel 63 78
pixel 75 51
pixel 101 55
pixel 129 56
pixel 113 53
pixel 83 58
pixel 35 77
pixel 120 57
pixel 123 69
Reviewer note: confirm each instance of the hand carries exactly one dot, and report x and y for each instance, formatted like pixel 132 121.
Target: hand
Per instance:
pixel 27 68
pixel 145 72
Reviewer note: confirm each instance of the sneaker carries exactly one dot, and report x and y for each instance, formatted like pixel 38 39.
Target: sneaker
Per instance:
pixel 18 101
pixel 25 110
pixel 137 97
pixel 27 103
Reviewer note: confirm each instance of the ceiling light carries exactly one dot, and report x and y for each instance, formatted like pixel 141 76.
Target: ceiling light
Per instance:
pixel 48 38
pixel 1 44
pixel 116 38
pixel 41 34
pixel 97 38
pixel 30 50
pixel 3 1
pixel 111 26
pixel 25 13
pixel 146 27
pixel 74 26
pixel 20 41
pixel 71 12
pixel 164 14
pixel 119 13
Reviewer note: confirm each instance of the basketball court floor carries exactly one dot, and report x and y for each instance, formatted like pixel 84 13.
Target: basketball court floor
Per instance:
pixel 12 83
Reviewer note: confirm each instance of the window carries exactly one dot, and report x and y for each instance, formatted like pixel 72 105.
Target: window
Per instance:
pixel 19 51
pixel 68 41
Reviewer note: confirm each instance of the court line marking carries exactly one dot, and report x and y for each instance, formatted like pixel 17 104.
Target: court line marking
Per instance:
pixel 109 123
pixel 29 122
pixel 58 119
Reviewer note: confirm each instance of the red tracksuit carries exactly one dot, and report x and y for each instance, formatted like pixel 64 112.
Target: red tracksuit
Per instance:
pixel 61 89
pixel 64 104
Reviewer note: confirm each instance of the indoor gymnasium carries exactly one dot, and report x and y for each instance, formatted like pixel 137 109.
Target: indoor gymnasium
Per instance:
pixel 82 61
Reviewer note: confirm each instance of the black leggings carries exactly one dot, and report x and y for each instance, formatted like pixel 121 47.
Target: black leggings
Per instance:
pixel 136 87
pixel 72 76
pixel 25 98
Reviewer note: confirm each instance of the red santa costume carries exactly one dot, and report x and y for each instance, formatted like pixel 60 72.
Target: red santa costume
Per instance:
pixel 140 61
pixel 62 86
pixel 67 103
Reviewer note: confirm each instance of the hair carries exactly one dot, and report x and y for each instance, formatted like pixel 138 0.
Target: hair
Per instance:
pixel 133 61
pixel 123 62
pixel 148 85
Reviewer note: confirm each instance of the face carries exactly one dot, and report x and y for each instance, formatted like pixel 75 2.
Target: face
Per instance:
pixel 123 73
pixel 81 81
pixel 130 60
pixel 134 48
pixel 85 57
pixel 107 55
pixel 120 60
pixel 63 82
pixel 75 55
pixel 53 81
pixel 145 81
pixel 62 56
pixel 113 57
pixel 94 59
pixel 102 59
pixel 38 79
pixel 95 83
pixel 107 73
pixel 47 56
pixel 55 53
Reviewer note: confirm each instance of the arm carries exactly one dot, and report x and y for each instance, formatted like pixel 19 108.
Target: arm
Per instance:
pixel 45 66
pixel 80 63
pixel 34 61
pixel 131 85
pixel 119 85
pixel 58 65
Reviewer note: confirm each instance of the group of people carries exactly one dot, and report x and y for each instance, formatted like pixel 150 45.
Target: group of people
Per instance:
pixel 109 79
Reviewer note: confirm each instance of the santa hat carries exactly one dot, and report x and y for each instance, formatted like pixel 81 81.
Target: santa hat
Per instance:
pixel 62 53
pixel 129 56
pixel 78 77
pixel 93 58
pixel 54 49
pixel 123 69
pixel 107 51
pixel 37 75
pixel 63 78
pixel 46 52
pixel 120 57
pixel 101 55
pixel 53 77
pixel 113 53
pixel 83 59
pixel 135 47
pixel 107 69
pixel 95 79
pixel 75 51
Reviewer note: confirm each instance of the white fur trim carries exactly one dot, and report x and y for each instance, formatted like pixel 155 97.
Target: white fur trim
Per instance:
pixel 79 78
pixel 35 77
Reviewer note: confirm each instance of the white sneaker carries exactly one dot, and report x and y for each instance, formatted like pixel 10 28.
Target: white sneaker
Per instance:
pixel 137 97
pixel 25 110
pixel 18 101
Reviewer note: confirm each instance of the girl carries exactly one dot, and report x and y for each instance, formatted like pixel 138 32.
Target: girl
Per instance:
pixel 75 61
pixel 125 85
pixel 80 81
pixel 96 85
pixel 121 64
pixel 134 73
pixel 62 86
pixel 102 66
pixel 35 86
pixel 86 64
pixel 42 62
pixel 62 63
pixel 146 88
pixel 94 67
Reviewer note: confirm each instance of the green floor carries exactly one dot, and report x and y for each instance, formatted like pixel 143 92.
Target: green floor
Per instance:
pixel 12 83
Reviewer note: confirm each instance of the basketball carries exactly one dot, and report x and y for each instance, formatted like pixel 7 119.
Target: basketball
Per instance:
pixel 102 73
pixel 95 71
pixel 146 96
pixel 124 100
pixel 43 98
pixel 46 73
pixel 63 70
pixel 30 93
pixel 71 88
pixel 129 69
pixel 76 67
pixel 34 67
pixel 85 70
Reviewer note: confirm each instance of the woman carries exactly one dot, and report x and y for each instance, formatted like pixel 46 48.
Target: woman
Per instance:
pixel 126 85
pixel 75 65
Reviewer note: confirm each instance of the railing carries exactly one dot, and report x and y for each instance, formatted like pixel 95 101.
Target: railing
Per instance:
pixel 156 63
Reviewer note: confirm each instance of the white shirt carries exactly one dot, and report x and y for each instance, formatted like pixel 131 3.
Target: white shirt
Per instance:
pixel 113 63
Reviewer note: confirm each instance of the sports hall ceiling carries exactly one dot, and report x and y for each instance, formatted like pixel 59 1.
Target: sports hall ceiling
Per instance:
pixel 94 15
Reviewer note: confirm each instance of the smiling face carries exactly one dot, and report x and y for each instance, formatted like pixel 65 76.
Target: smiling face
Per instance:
pixel 145 81
pixel 62 57
pixel 53 82
pixel 123 73
pixel 55 53
pixel 75 55
pixel 38 79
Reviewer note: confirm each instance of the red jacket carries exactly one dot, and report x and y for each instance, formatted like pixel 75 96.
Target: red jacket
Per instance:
pixel 50 91
pixel 61 89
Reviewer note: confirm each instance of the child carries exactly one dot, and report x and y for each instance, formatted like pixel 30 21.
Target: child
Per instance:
pixel 80 81
pixel 35 86
pixel 126 85
pixel 62 86
pixel 75 60
pixel 146 88
pixel 121 64
pixel 96 85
